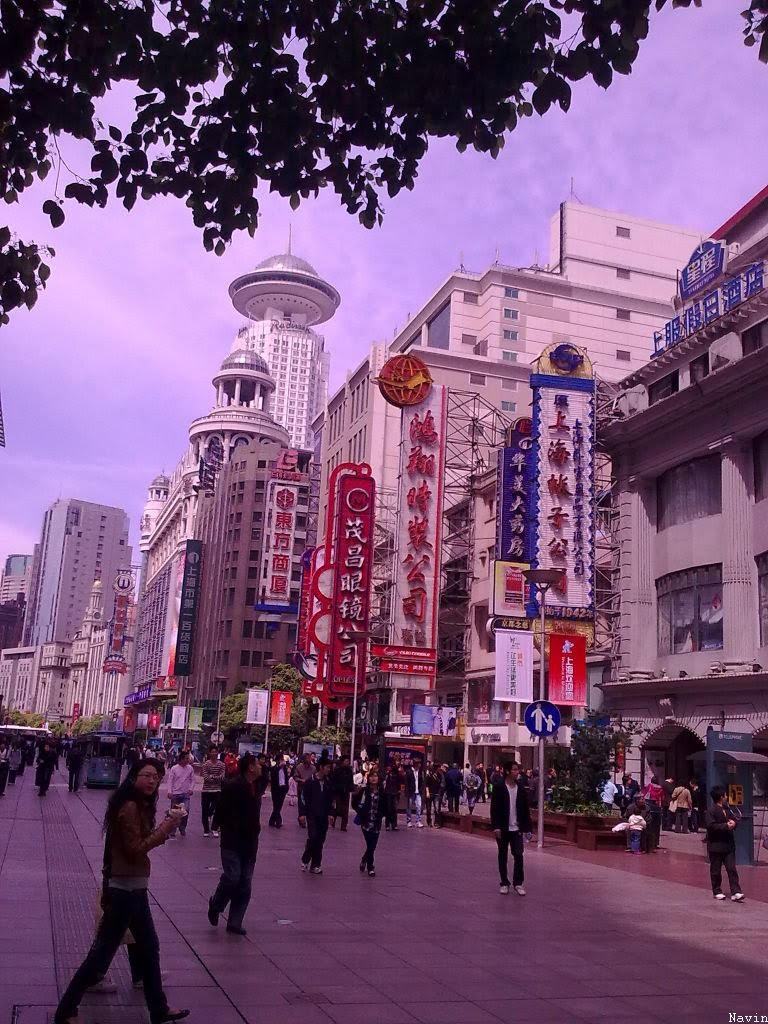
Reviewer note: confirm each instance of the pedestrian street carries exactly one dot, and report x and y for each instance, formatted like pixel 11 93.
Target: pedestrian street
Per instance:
pixel 429 939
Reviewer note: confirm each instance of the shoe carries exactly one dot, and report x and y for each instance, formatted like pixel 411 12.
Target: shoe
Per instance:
pixel 215 834
pixel 206 834
pixel 103 988
pixel 362 865
pixel 419 824
pixel 315 871
pixel 410 824
pixel 213 915
pixel 140 983
pixel 233 929
pixel 737 897
pixel 304 867
pixel 504 890
pixel 395 828
pixel 519 890
pixel 174 1015
pixel 371 874
pixel 720 896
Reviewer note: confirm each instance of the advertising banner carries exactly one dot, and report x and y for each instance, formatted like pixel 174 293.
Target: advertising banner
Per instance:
pixel 256 711
pixel 419 531
pixel 510 591
pixel 568 670
pixel 392 651
pixel 433 721
pixel 195 719
pixel 516 494
pixel 129 720
pixel 279 537
pixel 178 716
pixel 282 704
pixel 190 595
pixel 149 721
pixel 514 666
pixel 143 693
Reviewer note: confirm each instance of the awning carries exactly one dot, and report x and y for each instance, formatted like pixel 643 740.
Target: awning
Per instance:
pixel 740 756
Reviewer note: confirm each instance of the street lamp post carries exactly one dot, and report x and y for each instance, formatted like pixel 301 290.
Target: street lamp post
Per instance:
pixel 359 637
pixel 542 579
pixel 222 683
pixel 270 663
pixel 188 687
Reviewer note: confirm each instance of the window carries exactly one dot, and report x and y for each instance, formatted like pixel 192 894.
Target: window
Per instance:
pixel 509 357
pixel 511 293
pixel 471 298
pixel 622 273
pixel 439 328
pixel 623 314
pixel 755 338
pixel 469 339
pixel 622 232
pixel 508 406
pixel 760 461
pixel 247 630
pixel 511 314
pixel 511 335
pixel 663 388
pixel 245 659
pixel 623 355
pixel 699 368
pixel 250 596
pixel 508 385
pixel 690 491
pixel 762 596
pixel 690 610
pixel 477 378
pixel 481 348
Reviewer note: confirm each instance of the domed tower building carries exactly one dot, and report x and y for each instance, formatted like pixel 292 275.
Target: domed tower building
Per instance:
pixel 284 298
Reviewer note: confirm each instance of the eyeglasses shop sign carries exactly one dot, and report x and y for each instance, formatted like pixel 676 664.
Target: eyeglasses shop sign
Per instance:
pixel 496 737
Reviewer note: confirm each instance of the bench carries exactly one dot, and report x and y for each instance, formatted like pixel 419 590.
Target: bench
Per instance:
pixel 591 839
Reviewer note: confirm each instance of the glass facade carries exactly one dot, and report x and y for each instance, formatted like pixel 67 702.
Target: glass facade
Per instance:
pixel 690 610
pixel 689 491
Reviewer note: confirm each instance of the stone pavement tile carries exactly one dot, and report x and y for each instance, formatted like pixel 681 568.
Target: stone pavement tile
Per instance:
pixel 605 1008
pixel 371 1013
pixel 256 1014
pixel 411 988
pixel 356 993
pixel 559 986
pixel 310 978
pixel 527 1011
pixel 452 1013
pixel 206 999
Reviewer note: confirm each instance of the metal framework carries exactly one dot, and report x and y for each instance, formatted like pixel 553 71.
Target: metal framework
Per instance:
pixel 607 549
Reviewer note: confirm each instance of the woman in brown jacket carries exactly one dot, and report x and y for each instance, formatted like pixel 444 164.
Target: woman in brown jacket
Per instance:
pixel 681 799
pixel 129 828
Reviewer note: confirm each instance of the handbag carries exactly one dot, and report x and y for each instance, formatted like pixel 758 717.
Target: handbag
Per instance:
pixel 357 820
pixel 672 806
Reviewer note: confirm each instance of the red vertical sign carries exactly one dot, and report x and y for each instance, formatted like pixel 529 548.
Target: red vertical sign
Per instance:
pixel 568 669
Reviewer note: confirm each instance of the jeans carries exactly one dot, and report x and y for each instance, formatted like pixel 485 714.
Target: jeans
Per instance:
pixel 430 803
pixel 471 801
pixel 413 806
pixel 718 861
pixel 391 811
pixel 511 841
pixel 453 802
pixel 182 800
pixel 653 829
pixel 74 779
pixel 234 886
pixel 341 809
pixel 681 820
pixel 371 837
pixel 635 835
pixel 209 803
pixel 694 821
pixel 317 830
pixel 123 910
pixel 278 799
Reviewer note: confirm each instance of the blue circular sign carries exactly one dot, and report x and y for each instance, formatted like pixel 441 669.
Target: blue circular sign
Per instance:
pixel 542 718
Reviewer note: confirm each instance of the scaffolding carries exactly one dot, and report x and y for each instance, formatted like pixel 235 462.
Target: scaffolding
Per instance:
pixel 607 551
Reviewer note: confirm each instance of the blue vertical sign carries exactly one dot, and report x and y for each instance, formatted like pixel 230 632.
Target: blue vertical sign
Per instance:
pixel 516 503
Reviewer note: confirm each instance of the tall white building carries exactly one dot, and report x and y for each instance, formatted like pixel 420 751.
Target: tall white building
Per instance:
pixel 18 677
pixel 283 299
pixel 80 542
pixel 15 578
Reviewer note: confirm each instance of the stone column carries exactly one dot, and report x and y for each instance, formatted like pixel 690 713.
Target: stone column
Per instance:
pixel 237 391
pixel 740 636
pixel 220 394
pixel 637 621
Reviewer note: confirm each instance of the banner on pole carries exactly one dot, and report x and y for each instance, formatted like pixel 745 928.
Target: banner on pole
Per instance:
pixel 282 704
pixel 256 711
pixel 568 669
pixel 178 716
pixel 514 666
pixel 195 719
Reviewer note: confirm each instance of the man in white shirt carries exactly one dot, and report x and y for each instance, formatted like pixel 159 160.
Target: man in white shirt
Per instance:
pixel 181 785
pixel 510 821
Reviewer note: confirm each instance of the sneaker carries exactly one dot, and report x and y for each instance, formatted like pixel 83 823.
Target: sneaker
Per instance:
pixel 103 988
pixel 504 890
pixel 737 897
pixel 371 874
pixel 419 824
pixel 206 834
pixel 720 896
pixel 215 834
pixel 232 929
pixel 362 866
pixel 410 824
pixel 315 871
pixel 304 867
pixel 213 915
pixel 519 890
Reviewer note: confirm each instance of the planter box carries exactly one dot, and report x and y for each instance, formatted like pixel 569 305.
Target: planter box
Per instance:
pixel 556 823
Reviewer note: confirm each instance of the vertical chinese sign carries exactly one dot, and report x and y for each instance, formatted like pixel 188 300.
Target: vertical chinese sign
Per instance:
pixel 115 660
pixel 354 491
pixel 279 536
pixel 568 669
pixel 516 520
pixel 190 596
pixel 563 429
pixel 419 533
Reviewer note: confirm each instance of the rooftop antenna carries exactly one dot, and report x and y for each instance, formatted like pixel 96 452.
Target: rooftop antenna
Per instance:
pixel 496 255
pixel 573 194
pixel 462 268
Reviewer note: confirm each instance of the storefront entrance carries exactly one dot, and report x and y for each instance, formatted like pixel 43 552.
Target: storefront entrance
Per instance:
pixel 666 751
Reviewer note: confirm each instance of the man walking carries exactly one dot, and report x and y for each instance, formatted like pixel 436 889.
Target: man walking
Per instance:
pixel 453 784
pixel 74 766
pixel 303 772
pixel 315 806
pixel 181 785
pixel 239 813
pixel 278 784
pixel 721 846
pixel 213 772
pixel 342 785
pixel 510 820
pixel 415 787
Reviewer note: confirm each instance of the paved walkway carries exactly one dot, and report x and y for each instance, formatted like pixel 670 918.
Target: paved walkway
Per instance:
pixel 428 940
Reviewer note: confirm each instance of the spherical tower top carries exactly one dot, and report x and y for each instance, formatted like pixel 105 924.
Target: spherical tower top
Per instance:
pixel 286 283
pixel 246 359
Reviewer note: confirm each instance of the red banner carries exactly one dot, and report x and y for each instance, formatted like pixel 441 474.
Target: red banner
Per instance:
pixel 280 712
pixel 75 712
pixel 353 551
pixel 392 651
pixel 407 668
pixel 568 669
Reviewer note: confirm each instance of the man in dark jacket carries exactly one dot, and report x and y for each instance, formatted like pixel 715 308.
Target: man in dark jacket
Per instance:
pixel 239 813
pixel 454 781
pixel 721 846
pixel 74 766
pixel 315 807
pixel 342 786
pixel 415 790
pixel 510 821
pixel 278 780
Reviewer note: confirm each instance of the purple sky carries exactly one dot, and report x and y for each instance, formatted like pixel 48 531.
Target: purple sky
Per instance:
pixel 101 379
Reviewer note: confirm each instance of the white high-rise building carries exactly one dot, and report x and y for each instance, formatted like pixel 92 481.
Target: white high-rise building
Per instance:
pixel 283 298
pixel 15 578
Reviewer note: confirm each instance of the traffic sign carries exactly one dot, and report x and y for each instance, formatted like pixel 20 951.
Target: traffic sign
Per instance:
pixel 217 737
pixel 542 718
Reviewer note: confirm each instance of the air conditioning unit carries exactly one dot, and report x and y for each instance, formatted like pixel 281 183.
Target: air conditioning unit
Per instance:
pixel 724 351
pixel 633 400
